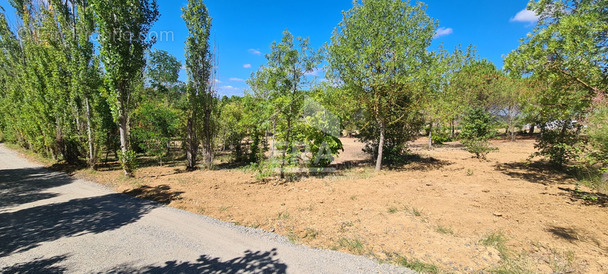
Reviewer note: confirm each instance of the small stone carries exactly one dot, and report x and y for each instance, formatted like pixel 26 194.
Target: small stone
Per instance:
pixel 497 214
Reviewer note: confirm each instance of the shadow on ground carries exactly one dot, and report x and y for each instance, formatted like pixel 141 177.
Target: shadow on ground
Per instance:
pixel 38 266
pixel 536 172
pixel 26 185
pixel 587 198
pixel 160 194
pixel 573 235
pixel 569 234
pixel 28 228
pixel 250 262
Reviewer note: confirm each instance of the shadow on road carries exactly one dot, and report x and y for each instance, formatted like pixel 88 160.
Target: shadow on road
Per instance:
pixel 26 185
pixel 250 262
pixel 38 266
pixel 27 228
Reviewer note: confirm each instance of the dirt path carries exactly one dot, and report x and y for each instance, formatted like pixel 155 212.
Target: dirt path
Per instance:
pixel 50 222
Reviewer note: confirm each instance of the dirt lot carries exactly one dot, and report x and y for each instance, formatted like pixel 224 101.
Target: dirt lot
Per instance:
pixel 445 211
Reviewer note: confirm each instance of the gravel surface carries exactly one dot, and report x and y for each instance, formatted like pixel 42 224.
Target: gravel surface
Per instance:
pixel 50 222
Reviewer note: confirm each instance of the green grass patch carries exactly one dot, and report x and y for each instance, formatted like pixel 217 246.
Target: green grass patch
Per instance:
pixel 416 265
pixel 311 233
pixel 445 230
pixel 283 215
pixel 353 245
pixel 498 241
pixel 413 210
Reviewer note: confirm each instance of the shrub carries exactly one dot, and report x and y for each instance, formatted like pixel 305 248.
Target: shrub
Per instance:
pixel 128 161
pixel 477 129
pixel 598 134
pixel 155 125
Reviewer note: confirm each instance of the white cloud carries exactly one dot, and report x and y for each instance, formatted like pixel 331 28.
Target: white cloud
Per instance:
pixel 314 72
pixel 443 31
pixel 229 88
pixel 247 66
pixel 217 81
pixel 526 16
pixel 254 52
pixel 234 79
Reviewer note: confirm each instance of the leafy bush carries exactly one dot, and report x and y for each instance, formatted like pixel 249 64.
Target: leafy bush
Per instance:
pixel 477 129
pixel 155 125
pixel 441 135
pixel 232 128
pixel 264 169
pixel 598 134
pixel 560 142
pixel 128 161
pixel 396 137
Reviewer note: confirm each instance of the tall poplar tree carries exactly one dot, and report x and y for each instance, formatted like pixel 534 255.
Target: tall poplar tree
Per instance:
pixel 200 94
pixel 124 26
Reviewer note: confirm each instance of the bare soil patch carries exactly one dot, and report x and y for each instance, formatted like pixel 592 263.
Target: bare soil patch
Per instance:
pixel 444 208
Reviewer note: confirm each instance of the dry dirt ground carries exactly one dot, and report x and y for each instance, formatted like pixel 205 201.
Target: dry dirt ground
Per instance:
pixel 445 211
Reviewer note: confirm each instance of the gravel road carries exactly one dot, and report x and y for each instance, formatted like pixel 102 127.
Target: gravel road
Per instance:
pixel 50 222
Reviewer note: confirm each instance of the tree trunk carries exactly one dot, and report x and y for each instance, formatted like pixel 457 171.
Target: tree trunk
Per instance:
pixel 192 143
pixel 380 147
pixel 92 154
pixel 453 129
pixel 532 128
pixel 274 134
pixel 431 136
pixel 512 126
pixel 287 139
pixel 123 127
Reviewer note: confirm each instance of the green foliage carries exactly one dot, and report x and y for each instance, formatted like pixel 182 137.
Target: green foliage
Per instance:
pixel 265 168
pixel 163 69
pixel 568 42
pixel 232 128
pixel 319 131
pixel 49 79
pixel 416 265
pixel 202 100
pixel 560 142
pixel 352 245
pixel 280 105
pixel 598 134
pixel 128 161
pixel 441 135
pixel 498 241
pixel 477 129
pixel 565 56
pixel 404 128
pixel 122 26
pixel 156 124
pixel 445 230
pixel 374 55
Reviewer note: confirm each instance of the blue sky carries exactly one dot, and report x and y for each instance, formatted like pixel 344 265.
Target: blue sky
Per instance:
pixel 244 30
